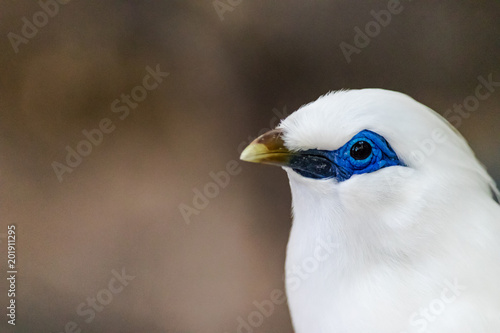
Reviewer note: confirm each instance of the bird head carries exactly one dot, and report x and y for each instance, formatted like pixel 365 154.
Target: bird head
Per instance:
pixel 373 168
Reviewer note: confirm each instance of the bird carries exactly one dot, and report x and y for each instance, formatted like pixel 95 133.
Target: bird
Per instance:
pixel 396 224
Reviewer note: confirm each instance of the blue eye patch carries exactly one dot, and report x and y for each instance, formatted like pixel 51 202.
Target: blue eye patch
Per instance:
pixel 366 152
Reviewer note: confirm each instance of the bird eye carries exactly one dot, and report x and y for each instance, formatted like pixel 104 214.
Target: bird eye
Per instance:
pixel 361 150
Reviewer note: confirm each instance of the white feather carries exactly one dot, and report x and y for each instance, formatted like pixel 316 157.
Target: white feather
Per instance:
pixel 401 235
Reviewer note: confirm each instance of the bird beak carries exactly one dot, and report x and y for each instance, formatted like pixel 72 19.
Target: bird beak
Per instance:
pixel 269 148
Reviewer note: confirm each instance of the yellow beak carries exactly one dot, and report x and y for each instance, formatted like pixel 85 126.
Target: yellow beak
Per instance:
pixel 269 148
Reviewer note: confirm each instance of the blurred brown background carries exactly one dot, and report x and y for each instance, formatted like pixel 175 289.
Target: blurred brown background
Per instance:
pixel 119 208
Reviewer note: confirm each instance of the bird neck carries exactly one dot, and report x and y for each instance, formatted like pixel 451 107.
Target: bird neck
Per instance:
pixel 353 233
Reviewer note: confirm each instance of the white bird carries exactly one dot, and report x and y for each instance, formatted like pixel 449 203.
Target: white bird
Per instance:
pixel 395 226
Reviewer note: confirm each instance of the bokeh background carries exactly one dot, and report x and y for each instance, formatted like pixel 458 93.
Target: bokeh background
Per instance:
pixel 231 74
